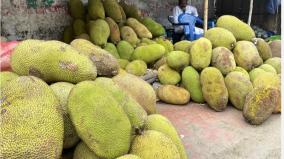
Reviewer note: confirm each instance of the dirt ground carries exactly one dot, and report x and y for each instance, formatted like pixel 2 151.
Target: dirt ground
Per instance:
pixel 207 134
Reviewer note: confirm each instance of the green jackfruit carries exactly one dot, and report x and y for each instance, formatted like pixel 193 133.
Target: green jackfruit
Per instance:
pixel 129 35
pixel 79 27
pixel 139 89
pixel 68 34
pixel 31 120
pixel 153 144
pixel 268 68
pixel 110 47
pixel 255 72
pixel 88 106
pixel 263 48
pixel 274 62
pixel 114 30
pixel 123 63
pixel 183 45
pixel 178 60
pixel 128 156
pixel 191 82
pixel 131 10
pixel 201 52
pixel 246 55
pixel 6 77
pixel 149 53
pixel 125 49
pixel 147 41
pixel 76 9
pixel 173 95
pixel 136 67
pixel 155 28
pixel 83 36
pixel 238 86
pixel 96 9
pixel 52 61
pixel 99 32
pixel 62 90
pixel 167 75
pixel 168 45
pixel 112 9
pixel 82 151
pixel 139 28
pixel 223 59
pixel 106 64
pixel 221 37
pixel 214 89
pixel 240 30
pixel 243 71
pixel 162 124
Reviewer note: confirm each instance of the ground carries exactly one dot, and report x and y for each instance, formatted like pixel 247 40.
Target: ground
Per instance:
pixel 207 134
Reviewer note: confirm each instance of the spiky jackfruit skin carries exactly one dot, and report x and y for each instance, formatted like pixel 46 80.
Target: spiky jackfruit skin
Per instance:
pixel 183 45
pixel 99 32
pixel 6 77
pixel 275 47
pixel 123 63
pixel 153 144
pixel 167 75
pixel 255 72
pixel 238 86
pixel 178 60
pixel 79 27
pixel 242 70
pixel 162 61
pixel 62 90
pixel 131 10
pixel 76 9
pixel 263 48
pixel 166 43
pixel 140 90
pixel 173 95
pixel 88 106
pixel 135 112
pixel 129 35
pixel 125 49
pixel 147 41
pixel 106 64
pixel 221 37
pixel 214 89
pixel 240 30
pixel 83 36
pixel 191 82
pixel 111 48
pixel 114 30
pixel 259 104
pixel 82 151
pixel 268 68
pixel 31 120
pixel 136 67
pixel 52 61
pixel 155 28
pixel 223 59
pixel 128 156
pixel 139 28
pixel 96 9
pixel 200 53
pixel 149 53
pixel 246 55
pixel 68 34
pixel 112 9
pixel 162 124
pixel 274 62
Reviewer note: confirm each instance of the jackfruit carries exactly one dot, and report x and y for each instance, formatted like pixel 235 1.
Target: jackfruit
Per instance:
pixel 255 72
pixel 223 59
pixel 243 71
pixel 191 82
pixel 123 15
pixel 155 28
pixel 112 9
pixel 167 75
pixel 31 120
pixel 76 9
pixel 68 34
pixel 6 77
pixel 99 32
pixel 246 55
pixel 183 45
pixel 128 156
pixel 173 95
pixel 88 106
pixel 268 68
pixel 153 144
pixel 110 47
pixel 275 47
pixel 82 151
pixel 129 35
pixel 149 53
pixel 139 28
pixel 221 37
pixel 131 10
pixel 83 36
pixel 168 45
pixel 238 86
pixel 267 80
pixel 79 27
pixel 240 30
pixel 263 48
pixel 62 90
pixel 274 62
pixel 178 60
pixel 136 67
pixel 162 124
pixel 114 30
pixel 52 61
pixel 140 90
pixel 106 64
pixel 147 41
pixel 123 63
pixel 214 89
pixel 200 53
pixel 96 9
pixel 162 61
pixel 125 49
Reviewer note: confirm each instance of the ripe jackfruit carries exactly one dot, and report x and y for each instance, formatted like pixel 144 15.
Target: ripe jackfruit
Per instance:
pixel 114 30
pixel 99 32
pixel 268 68
pixel 128 156
pixel 167 75
pixel 221 37
pixel 243 71
pixel 173 95
pixel 149 53
pixel 6 77
pixel 96 9
pixel 200 53
pixel 136 67
pixel 139 28
pixel 129 35
pixel 183 45
pixel 178 60
pixel 155 28
pixel 255 72
pixel 223 59
pixel 274 62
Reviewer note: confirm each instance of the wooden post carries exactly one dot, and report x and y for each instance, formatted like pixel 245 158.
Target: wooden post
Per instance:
pixel 205 15
pixel 250 11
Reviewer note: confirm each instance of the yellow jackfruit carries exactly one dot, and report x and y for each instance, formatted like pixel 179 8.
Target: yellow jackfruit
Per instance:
pixel 139 28
pixel 255 72
pixel 128 156
pixel 112 9
pixel 263 48
pixel 82 151
pixel 149 53
pixel 183 45
pixel 154 27
pixel 243 71
pixel 221 37
pixel 125 49
pixel 167 75
pixel 223 59
pixel 200 53
pixel 99 32
pixel 178 60
pixel 168 45
pixel 147 41
pixel 173 95
pixel 268 68
pixel 114 30
pixel 274 62
pixel 76 9
pixel 136 67
pixel 6 77
pixel 96 9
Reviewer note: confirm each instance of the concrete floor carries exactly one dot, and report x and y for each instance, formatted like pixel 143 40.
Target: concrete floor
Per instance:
pixel 207 134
